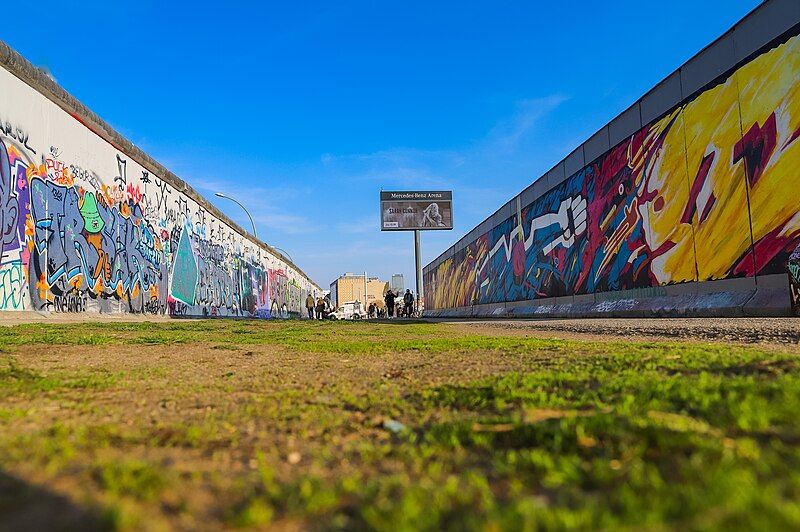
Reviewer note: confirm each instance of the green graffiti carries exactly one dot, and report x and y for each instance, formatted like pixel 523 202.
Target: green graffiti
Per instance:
pixel 91 216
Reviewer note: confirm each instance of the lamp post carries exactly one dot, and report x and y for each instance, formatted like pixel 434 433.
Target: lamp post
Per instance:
pixel 283 252
pixel 252 223
pixel 221 195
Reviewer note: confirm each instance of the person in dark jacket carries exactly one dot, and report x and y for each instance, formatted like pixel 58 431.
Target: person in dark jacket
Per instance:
pixel 408 303
pixel 389 300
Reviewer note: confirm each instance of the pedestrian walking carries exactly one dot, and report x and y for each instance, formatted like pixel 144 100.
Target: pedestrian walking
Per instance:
pixel 389 300
pixel 408 303
pixel 310 306
pixel 320 308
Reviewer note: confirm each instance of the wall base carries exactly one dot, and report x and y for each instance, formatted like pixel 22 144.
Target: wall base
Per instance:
pixel 765 296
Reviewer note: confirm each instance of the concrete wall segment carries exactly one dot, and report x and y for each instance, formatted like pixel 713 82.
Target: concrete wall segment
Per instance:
pixel 597 145
pixel 625 125
pixel 758 29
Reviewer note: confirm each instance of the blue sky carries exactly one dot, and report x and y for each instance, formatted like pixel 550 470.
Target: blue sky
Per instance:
pixel 305 110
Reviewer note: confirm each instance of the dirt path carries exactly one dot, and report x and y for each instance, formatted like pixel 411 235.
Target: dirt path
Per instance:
pixel 777 332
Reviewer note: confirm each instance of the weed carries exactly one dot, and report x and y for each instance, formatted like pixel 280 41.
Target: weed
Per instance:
pixel 130 477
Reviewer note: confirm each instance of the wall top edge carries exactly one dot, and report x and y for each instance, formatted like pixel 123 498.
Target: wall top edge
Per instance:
pixel 34 77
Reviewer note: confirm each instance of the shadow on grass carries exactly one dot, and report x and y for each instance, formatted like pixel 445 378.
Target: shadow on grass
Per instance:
pixel 27 507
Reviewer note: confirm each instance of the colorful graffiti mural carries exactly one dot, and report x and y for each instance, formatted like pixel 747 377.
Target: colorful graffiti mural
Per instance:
pixel 84 228
pixel 706 192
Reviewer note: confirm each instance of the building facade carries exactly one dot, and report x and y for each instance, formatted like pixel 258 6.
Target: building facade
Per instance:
pixel 352 287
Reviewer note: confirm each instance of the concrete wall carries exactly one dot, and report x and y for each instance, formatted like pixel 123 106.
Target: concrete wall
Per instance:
pixel 691 191
pixel 90 223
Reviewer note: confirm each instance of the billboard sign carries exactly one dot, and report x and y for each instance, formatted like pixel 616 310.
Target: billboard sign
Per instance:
pixel 409 211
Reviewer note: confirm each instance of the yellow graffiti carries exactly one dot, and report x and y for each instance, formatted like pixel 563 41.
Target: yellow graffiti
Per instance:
pixel 44 289
pixel 713 124
pixel 455 283
pixel 770 84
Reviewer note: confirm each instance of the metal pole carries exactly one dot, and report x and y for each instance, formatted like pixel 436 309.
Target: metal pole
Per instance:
pixel 418 259
pixel 283 252
pixel 221 195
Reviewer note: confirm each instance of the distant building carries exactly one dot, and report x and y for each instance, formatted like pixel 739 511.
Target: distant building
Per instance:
pixel 351 287
pixel 398 286
pixel 332 294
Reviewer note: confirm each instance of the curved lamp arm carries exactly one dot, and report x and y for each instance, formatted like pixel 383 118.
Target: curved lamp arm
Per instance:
pixel 221 195
pixel 283 252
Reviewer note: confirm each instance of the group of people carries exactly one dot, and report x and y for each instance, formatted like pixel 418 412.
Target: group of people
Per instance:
pixel 316 310
pixel 393 306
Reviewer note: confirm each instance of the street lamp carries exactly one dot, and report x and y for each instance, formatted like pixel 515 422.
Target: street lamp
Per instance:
pixel 283 252
pixel 221 195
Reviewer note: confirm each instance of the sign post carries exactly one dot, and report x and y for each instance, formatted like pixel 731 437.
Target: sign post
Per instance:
pixel 417 211
pixel 418 259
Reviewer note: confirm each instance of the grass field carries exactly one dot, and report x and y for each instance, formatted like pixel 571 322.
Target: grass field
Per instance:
pixel 209 424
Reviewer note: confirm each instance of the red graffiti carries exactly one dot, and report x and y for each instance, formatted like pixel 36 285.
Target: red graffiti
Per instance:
pixel 697 187
pixel 134 193
pixel 756 147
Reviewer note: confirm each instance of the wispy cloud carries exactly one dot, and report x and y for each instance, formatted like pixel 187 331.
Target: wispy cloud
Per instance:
pixel 405 167
pixel 360 249
pixel 506 135
pixel 482 175
pixel 359 226
pixel 398 167
pixel 274 208
pixel 326 210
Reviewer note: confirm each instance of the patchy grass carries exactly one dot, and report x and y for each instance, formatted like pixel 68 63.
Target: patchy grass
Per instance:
pixel 16 380
pixel 416 426
pixel 130 477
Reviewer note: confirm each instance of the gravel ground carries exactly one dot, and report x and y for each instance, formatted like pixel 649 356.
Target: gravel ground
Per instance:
pixel 776 331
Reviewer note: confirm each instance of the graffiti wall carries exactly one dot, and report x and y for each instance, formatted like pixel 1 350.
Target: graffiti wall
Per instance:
pixel 85 228
pixel 709 191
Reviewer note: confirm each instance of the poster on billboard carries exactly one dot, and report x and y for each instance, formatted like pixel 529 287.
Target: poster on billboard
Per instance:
pixel 410 211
